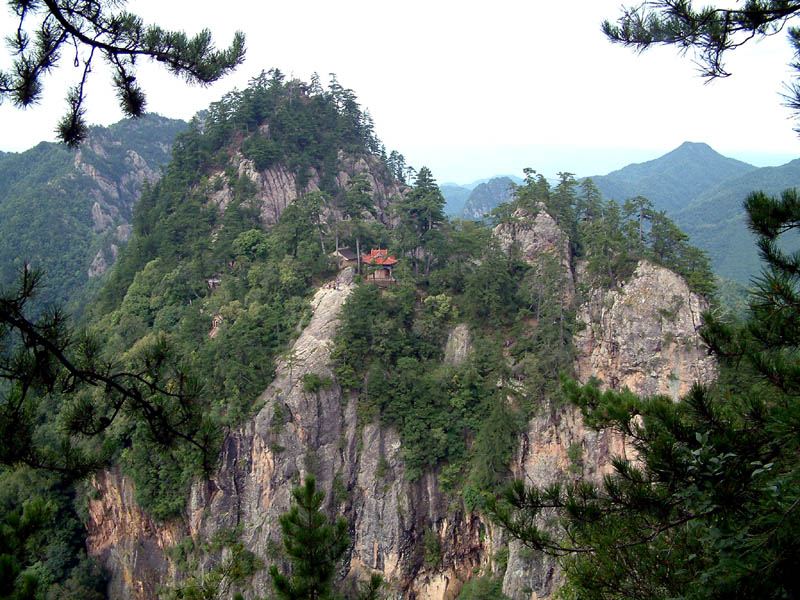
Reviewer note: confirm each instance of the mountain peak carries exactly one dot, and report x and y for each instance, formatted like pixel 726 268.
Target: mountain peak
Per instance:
pixel 688 144
pixel 673 180
pixel 695 149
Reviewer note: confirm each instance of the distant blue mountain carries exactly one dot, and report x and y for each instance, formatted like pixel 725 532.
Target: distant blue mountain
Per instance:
pixel 716 219
pixel 457 194
pixel 674 180
pixel 703 192
pixel 486 196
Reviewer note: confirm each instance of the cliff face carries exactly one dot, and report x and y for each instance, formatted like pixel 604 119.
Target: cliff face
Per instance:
pixel 644 336
pixel 277 186
pixel 294 434
pixel 67 212
pixel 533 235
pixel 113 165
pixel 641 336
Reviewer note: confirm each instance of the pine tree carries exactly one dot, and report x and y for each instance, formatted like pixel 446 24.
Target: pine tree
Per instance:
pixel 421 212
pixel 710 32
pixel 44 361
pixel 313 544
pixel 119 37
pixel 357 203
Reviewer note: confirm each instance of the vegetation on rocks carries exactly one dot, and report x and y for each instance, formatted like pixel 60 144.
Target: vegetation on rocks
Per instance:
pixel 207 297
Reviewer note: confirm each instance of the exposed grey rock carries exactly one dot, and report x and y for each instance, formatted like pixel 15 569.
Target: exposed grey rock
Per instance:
pixel 101 221
pixel 298 432
pixel 644 336
pixel 458 345
pixel 533 234
pixel 277 187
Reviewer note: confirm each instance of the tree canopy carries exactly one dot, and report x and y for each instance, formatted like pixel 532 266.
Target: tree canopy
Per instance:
pixel 47 29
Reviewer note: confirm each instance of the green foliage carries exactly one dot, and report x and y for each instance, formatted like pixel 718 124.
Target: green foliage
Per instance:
pixel 483 588
pixel 313 545
pixel 432 548
pixel 612 239
pixel 716 220
pixel 42 540
pixel 709 33
pixel 383 468
pixel 312 383
pixel 122 37
pixel 732 297
pixel 708 508
pixel 46 203
pixel 233 567
pixel 421 213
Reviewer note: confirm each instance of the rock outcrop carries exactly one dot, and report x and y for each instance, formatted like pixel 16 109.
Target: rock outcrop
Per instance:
pixel 113 165
pixel 643 336
pixel 277 186
pixel 533 234
pixel 126 540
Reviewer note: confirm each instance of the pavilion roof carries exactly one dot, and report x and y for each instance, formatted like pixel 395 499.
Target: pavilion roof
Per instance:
pixel 378 256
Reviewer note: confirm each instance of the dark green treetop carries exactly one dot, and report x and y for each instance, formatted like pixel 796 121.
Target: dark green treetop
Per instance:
pixel 313 544
pixel 421 212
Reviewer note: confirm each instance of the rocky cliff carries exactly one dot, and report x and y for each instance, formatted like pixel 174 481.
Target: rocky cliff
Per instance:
pixel 642 335
pixel 277 186
pixel 114 164
pixel 485 197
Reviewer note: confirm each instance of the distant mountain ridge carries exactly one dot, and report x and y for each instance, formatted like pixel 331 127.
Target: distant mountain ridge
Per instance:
pixel 716 220
pixel 673 180
pixel 485 197
pixel 456 195
pixel 704 191
pixel 68 212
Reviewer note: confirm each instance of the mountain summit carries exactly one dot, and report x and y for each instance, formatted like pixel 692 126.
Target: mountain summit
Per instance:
pixel 672 181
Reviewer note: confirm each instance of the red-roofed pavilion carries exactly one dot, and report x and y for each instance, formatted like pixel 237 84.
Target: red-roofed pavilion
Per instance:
pixel 383 262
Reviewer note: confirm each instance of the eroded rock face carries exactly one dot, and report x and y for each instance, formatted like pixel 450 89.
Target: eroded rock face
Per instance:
pixel 457 349
pixel 276 187
pixel 106 256
pixel 533 234
pixel 126 540
pixel 113 177
pixel 299 432
pixel 644 336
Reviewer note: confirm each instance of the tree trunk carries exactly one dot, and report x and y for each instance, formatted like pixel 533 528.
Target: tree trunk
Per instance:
pixel 321 240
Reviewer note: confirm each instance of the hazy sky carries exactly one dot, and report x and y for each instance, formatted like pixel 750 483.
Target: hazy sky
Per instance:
pixel 469 89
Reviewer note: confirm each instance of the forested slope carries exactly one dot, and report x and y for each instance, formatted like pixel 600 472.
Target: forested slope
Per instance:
pixel 716 219
pixel 229 247
pixel 255 361
pixel 65 212
pixel 674 180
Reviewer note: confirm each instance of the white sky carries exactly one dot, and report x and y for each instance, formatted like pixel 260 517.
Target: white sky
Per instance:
pixel 468 88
